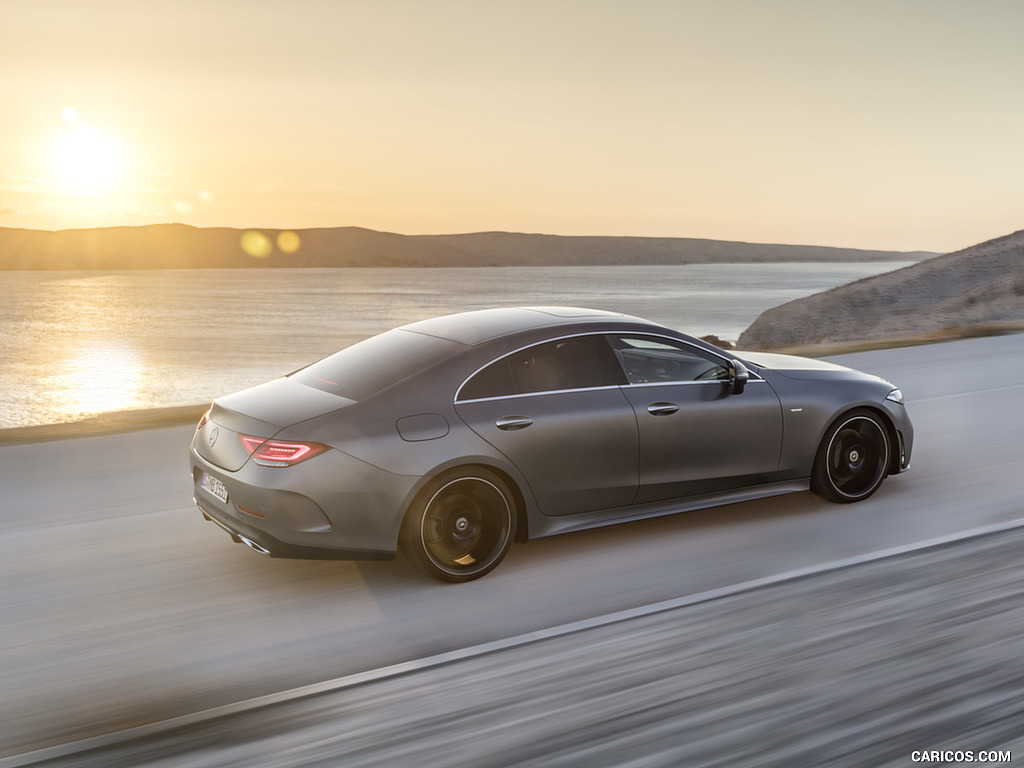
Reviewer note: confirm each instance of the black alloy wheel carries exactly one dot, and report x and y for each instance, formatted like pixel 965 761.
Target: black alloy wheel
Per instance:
pixel 461 526
pixel 853 459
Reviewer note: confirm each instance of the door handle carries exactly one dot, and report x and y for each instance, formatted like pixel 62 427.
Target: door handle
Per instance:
pixel 662 409
pixel 510 423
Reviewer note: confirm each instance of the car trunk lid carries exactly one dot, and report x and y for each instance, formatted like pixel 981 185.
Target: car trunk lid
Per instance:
pixel 260 411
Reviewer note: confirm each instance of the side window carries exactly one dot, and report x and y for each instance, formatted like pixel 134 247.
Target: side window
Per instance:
pixel 572 363
pixel 648 360
pixel 493 381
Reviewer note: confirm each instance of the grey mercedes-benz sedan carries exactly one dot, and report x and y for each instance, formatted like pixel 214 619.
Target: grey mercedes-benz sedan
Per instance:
pixel 451 438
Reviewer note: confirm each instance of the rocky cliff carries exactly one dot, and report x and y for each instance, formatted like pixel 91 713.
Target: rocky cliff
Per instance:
pixel 976 290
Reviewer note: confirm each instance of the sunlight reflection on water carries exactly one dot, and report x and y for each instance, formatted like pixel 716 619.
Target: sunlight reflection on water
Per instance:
pixel 77 343
pixel 100 376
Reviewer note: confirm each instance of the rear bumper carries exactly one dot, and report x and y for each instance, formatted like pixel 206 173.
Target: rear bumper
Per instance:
pixel 332 507
pixel 265 544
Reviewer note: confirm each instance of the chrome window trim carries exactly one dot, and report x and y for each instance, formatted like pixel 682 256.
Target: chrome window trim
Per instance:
pixel 536 394
pixel 752 380
pixel 754 377
pixel 719 382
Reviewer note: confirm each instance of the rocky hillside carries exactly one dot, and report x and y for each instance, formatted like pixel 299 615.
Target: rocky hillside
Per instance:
pixel 978 289
pixel 176 246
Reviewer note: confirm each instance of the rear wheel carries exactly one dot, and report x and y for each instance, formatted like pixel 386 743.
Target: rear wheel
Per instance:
pixel 461 525
pixel 853 458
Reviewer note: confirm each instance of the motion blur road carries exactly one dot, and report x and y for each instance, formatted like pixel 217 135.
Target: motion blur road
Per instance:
pixel 121 606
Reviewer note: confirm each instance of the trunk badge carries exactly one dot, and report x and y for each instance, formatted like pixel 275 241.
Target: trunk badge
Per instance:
pixel 214 435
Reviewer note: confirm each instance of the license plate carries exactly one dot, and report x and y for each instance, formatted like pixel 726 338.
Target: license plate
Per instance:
pixel 214 487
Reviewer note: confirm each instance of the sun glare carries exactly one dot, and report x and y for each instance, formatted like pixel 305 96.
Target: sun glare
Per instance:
pixel 86 160
pixel 101 376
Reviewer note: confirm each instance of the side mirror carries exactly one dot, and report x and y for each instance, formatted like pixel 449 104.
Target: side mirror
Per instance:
pixel 738 377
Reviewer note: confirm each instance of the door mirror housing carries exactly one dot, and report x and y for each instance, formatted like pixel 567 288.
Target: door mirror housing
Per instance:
pixel 738 377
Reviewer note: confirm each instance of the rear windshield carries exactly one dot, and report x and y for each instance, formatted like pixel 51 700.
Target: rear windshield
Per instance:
pixel 376 363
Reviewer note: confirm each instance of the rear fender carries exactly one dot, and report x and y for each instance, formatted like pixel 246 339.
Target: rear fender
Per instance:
pixel 526 504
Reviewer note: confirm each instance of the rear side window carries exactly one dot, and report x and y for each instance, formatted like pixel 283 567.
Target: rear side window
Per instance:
pixel 574 363
pixel 376 363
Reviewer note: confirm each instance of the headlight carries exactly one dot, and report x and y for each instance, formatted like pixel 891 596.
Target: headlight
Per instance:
pixel 896 396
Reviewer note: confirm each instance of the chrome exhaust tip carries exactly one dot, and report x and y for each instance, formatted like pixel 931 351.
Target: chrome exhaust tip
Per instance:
pixel 254 546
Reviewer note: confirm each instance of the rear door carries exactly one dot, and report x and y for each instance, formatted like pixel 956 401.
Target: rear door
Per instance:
pixel 556 411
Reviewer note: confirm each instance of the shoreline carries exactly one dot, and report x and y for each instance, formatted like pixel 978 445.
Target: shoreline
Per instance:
pixel 113 422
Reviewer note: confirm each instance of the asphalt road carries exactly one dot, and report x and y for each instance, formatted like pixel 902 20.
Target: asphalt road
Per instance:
pixel 121 606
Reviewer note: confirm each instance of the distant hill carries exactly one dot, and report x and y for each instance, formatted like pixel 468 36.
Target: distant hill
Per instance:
pixel 177 246
pixel 979 289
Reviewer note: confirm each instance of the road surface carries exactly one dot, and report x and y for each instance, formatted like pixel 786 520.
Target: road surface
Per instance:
pixel 122 607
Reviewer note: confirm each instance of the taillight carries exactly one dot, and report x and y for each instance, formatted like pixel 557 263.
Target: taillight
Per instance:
pixel 203 419
pixel 278 453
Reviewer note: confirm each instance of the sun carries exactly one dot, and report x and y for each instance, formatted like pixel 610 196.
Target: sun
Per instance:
pixel 86 159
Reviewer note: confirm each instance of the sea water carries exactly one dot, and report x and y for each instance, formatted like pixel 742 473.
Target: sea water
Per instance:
pixel 73 344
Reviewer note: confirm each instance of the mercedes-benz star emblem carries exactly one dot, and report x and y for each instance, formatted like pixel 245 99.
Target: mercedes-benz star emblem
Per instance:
pixel 214 435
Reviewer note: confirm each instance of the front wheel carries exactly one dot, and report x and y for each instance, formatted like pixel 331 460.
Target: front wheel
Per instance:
pixel 461 526
pixel 853 458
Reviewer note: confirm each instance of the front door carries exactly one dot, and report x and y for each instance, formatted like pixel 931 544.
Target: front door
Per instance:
pixel 695 437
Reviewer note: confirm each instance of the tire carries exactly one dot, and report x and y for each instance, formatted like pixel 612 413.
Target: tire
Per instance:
pixel 460 526
pixel 853 458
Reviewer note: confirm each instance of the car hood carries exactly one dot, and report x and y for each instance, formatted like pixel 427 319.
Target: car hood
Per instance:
pixel 795 367
pixel 785 363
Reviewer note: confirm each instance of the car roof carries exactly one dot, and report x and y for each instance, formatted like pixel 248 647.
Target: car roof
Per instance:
pixel 483 325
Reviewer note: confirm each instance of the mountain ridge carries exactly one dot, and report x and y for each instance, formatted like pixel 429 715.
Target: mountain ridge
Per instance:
pixel 181 246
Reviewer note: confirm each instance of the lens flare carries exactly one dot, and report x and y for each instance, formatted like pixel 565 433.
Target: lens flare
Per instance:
pixel 256 244
pixel 288 242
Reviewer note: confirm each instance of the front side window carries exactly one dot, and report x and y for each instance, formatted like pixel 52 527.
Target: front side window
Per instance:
pixel 655 360
pixel 573 363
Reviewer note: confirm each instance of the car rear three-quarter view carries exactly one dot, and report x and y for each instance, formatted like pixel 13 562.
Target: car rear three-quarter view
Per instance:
pixel 451 438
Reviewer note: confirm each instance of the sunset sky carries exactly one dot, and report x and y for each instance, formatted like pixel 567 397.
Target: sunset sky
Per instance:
pixel 895 124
